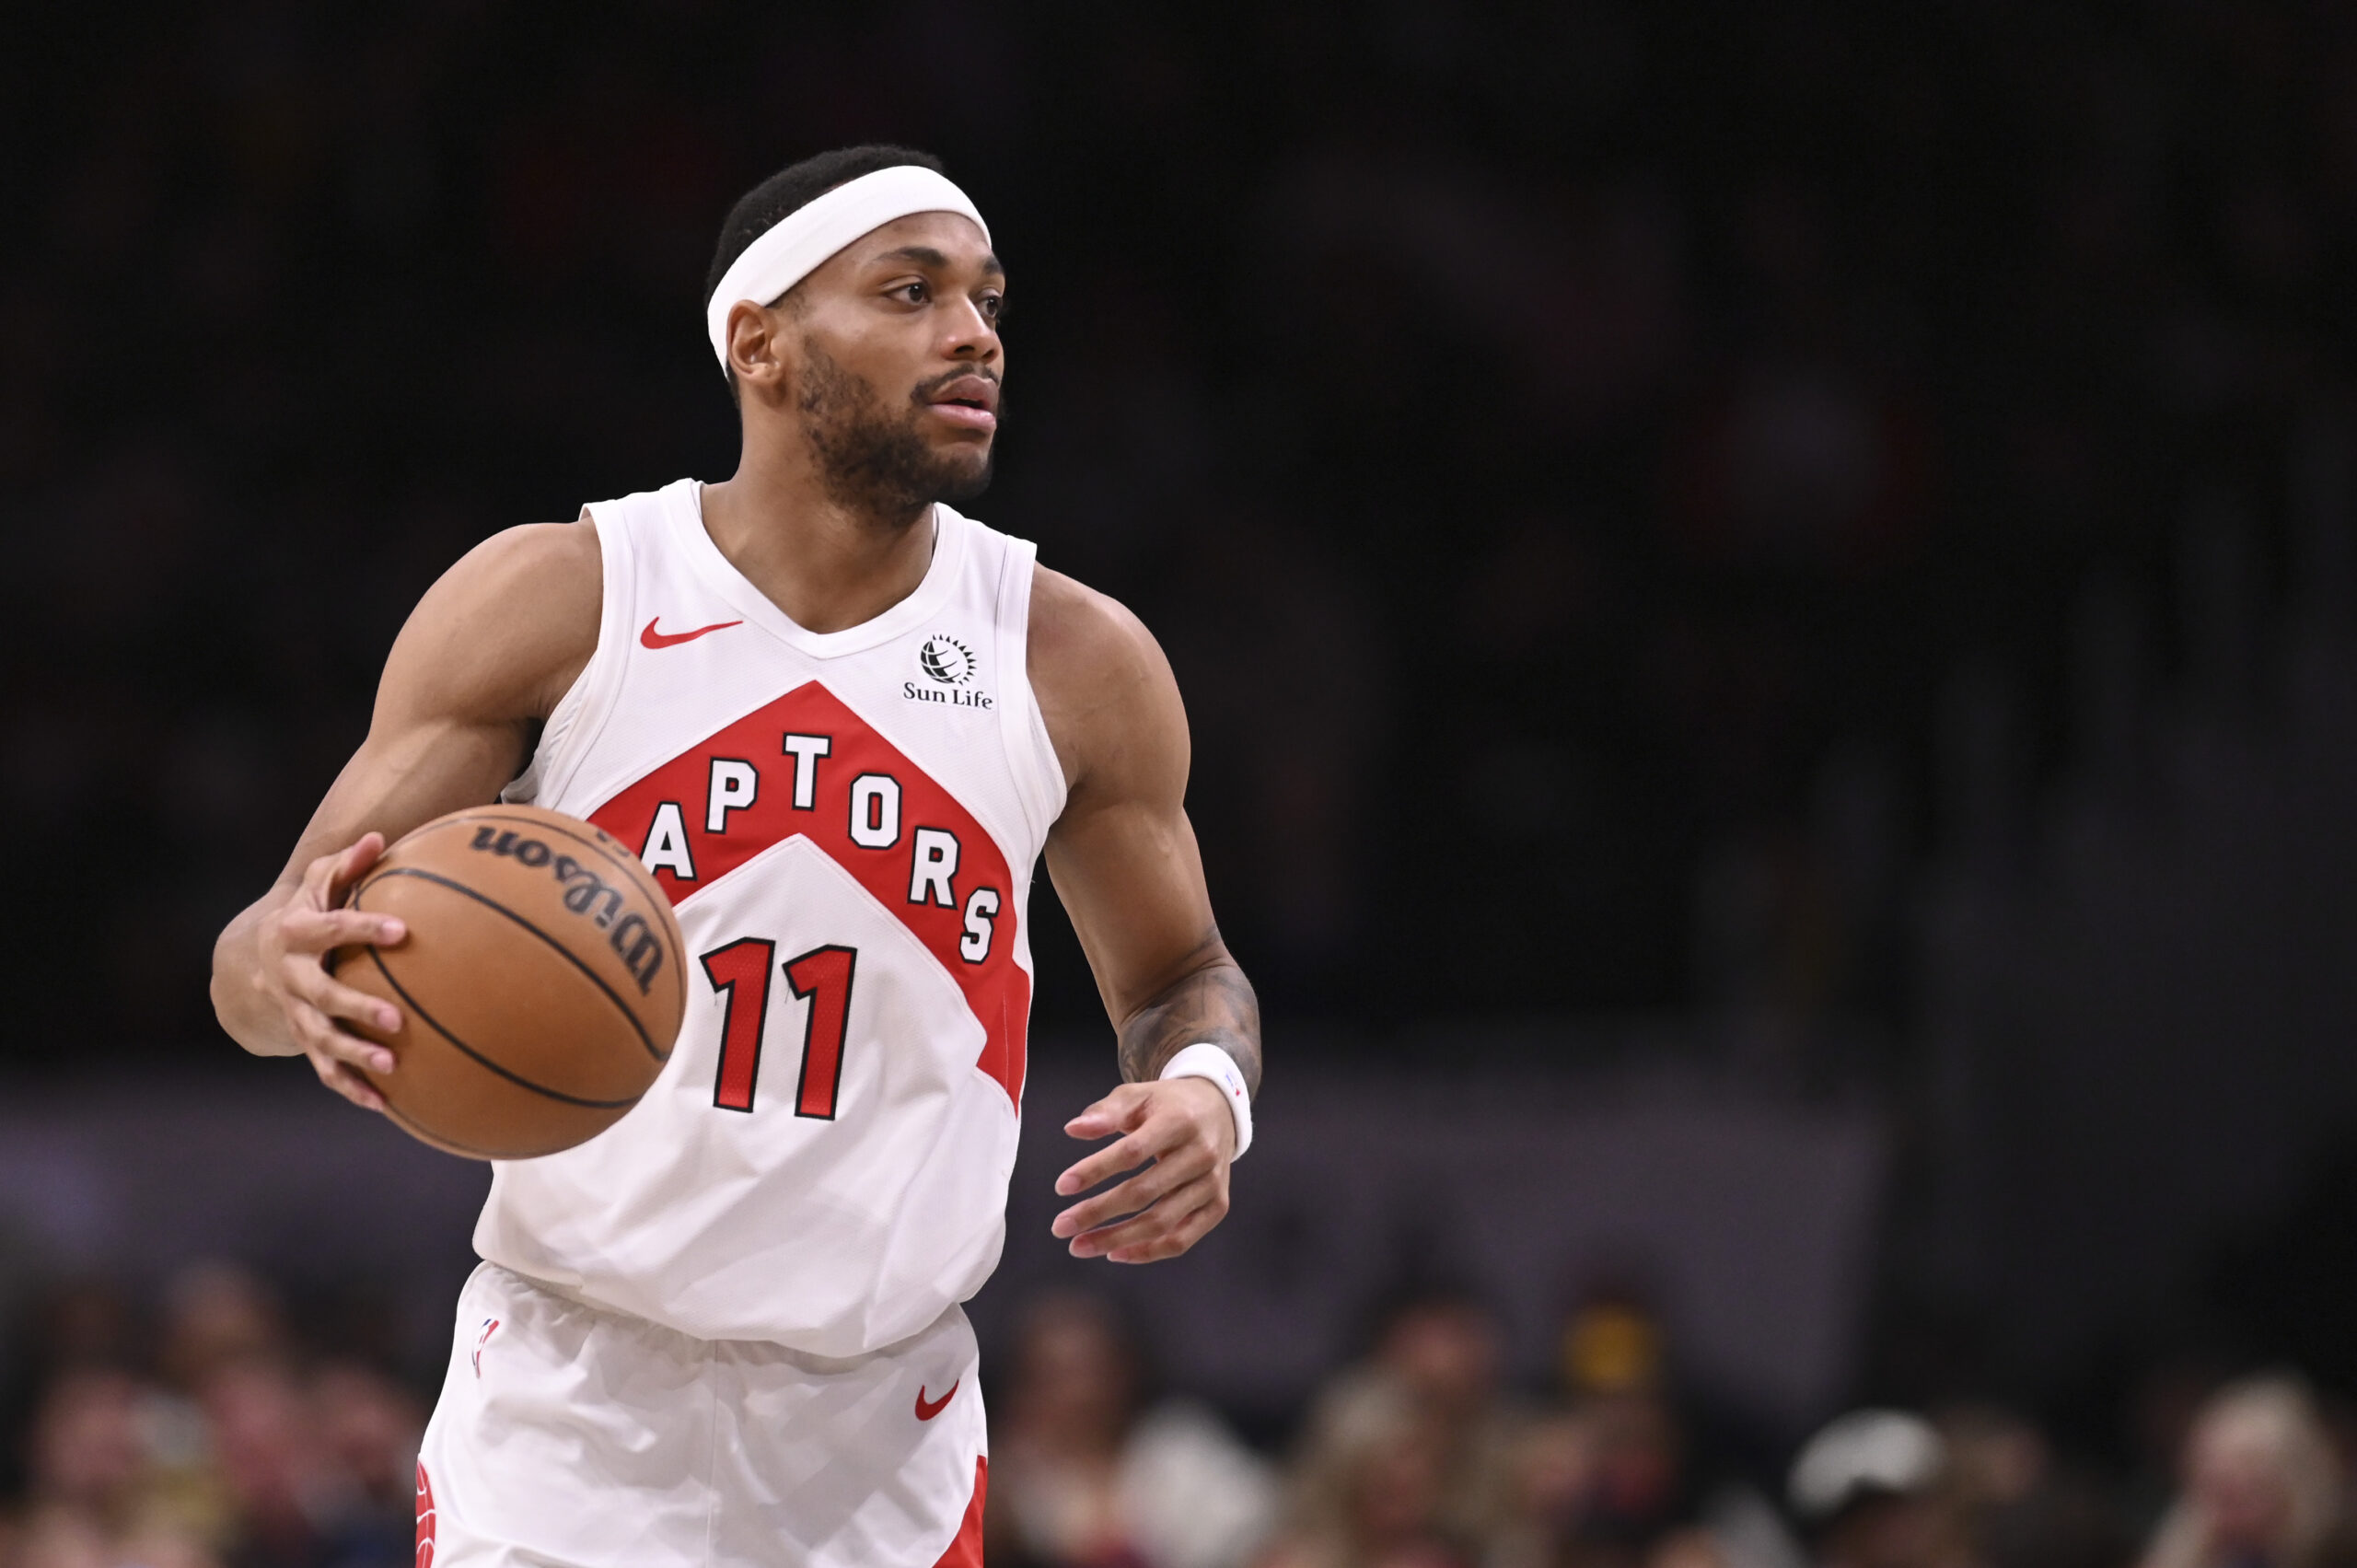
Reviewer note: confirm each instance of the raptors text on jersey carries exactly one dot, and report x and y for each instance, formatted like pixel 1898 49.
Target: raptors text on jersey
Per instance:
pixel 846 823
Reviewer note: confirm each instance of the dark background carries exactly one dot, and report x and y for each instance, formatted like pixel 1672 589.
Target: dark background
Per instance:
pixel 1548 440
pixel 1803 543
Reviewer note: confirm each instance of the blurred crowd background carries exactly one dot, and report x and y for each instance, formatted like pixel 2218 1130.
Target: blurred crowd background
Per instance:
pixel 1772 579
pixel 219 1427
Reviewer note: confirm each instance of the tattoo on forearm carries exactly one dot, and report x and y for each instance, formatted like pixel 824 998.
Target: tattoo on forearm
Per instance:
pixel 1215 1003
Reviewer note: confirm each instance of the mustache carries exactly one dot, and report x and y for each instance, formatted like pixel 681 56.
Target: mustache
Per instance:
pixel 925 388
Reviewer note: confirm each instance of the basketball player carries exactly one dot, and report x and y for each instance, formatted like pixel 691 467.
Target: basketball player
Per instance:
pixel 840 721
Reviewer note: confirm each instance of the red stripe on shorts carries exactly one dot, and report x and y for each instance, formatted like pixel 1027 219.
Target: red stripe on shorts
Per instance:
pixel 966 1551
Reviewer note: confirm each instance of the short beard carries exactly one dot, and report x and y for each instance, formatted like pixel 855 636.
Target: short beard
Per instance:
pixel 869 462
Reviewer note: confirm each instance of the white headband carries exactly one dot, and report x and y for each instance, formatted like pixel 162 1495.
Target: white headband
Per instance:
pixel 803 240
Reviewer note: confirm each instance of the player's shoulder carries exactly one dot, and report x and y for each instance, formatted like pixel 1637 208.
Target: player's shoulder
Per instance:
pixel 547 576
pixel 1103 685
pixel 511 624
pixel 561 560
pixel 1080 632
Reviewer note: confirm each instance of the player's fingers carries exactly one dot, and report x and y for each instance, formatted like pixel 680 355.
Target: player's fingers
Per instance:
pixel 1138 1192
pixel 317 878
pixel 1151 1136
pixel 1176 1133
pixel 1126 1154
pixel 348 1083
pixel 1146 1223
pixel 309 983
pixel 320 930
pixel 1191 1227
pixel 321 1040
pixel 1145 1230
pixel 1171 1246
pixel 359 858
pixel 1117 1112
pixel 325 879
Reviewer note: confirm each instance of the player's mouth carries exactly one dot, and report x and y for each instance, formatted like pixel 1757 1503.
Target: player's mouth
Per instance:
pixel 969 401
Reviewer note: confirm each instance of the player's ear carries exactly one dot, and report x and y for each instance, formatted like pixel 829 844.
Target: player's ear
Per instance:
pixel 759 349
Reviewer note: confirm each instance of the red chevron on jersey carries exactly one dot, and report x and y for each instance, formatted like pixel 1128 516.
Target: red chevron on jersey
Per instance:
pixel 926 859
pixel 848 822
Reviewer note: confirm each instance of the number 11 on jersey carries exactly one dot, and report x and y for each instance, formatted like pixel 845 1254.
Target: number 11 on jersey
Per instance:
pixel 740 972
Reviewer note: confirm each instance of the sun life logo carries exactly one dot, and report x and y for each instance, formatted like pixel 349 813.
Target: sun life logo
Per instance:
pixel 947 660
pixel 949 668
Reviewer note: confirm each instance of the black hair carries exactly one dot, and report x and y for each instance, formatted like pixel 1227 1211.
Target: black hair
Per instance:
pixel 758 210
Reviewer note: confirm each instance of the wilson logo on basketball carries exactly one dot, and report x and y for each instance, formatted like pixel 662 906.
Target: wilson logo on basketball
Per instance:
pixel 588 894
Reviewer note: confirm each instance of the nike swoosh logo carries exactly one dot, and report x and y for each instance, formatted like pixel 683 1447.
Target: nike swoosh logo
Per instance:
pixel 927 1412
pixel 654 639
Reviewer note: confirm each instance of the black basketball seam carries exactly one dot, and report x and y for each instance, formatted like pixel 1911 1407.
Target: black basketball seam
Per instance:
pixel 624 861
pixel 513 1077
pixel 560 948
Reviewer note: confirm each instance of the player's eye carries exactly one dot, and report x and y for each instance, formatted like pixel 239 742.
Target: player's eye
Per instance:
pixel 915 293
pixel 993 307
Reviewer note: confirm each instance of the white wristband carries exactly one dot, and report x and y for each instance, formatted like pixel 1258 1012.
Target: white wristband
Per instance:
pixel 1204 1060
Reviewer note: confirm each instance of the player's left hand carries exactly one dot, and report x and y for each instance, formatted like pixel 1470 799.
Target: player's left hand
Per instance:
pixel 1183 1126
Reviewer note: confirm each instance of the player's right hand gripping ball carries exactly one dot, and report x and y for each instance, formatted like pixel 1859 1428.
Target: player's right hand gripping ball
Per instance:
pixel 539 985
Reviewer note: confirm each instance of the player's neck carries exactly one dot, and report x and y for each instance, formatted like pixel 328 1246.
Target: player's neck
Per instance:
pixel 826 566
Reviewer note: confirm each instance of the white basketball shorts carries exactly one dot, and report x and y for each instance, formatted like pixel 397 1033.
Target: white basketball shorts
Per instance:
pixel 568 1436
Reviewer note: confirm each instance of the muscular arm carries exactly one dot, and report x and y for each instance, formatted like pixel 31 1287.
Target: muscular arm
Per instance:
pixel 1125 864
pixel 488 651
pixel 1213 1002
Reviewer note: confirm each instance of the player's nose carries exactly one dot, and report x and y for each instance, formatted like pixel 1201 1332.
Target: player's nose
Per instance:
pixel 970 334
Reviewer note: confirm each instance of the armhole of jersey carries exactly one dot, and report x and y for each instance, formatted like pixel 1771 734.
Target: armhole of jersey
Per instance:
pixel 583 710
pixel 1030 754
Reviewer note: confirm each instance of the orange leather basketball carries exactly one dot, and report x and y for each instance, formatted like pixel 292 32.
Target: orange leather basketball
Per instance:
pixel 539 984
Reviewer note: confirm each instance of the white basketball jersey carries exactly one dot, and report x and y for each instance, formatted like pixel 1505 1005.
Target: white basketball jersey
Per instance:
pixel 846 823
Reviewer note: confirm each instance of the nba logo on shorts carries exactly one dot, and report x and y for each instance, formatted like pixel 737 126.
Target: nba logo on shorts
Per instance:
pixel 488 1325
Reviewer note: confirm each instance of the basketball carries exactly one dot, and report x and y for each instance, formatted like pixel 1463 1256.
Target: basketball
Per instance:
pixel 538 985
